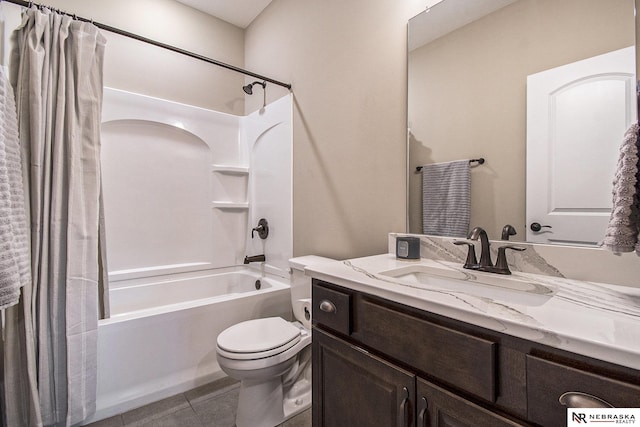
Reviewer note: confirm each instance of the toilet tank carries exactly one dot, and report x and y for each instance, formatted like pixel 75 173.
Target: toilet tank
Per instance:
pixel 301 286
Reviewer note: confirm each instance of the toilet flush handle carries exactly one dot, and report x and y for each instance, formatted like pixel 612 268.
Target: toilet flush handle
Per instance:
pixel 327 306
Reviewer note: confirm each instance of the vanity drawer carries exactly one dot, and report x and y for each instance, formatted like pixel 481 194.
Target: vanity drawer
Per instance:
pixel 547 381
pixel 331 308
pixel 464 361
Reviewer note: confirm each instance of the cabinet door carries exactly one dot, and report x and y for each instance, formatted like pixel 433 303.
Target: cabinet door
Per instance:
pixel 354 388
pixel 437 407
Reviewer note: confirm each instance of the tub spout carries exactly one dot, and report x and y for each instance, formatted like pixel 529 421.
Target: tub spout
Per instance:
pixel 255 258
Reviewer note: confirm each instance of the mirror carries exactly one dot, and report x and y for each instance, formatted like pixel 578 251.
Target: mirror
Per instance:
pixel 468 64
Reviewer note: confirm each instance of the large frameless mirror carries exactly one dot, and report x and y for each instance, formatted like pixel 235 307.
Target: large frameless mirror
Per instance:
pixel 543 90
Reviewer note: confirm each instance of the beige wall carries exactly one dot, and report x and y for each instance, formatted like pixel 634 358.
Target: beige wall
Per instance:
pixel 139 67
pixel 468 94
pixel 346 61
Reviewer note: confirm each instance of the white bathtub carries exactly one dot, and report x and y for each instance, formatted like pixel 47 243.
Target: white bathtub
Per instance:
pixel 161 337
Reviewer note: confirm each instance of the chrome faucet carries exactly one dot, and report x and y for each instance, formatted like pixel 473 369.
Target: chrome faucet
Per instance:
pixel 255 258
pixel 485 252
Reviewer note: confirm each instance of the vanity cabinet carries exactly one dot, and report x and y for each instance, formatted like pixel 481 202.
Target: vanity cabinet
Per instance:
pixel 353 387
pixel 380 363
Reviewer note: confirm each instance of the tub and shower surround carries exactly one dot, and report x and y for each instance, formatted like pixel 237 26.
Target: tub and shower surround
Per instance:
pixel 183 187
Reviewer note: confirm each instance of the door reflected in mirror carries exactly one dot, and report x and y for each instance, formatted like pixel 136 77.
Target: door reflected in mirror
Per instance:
pixel 576 114
pixel 467 98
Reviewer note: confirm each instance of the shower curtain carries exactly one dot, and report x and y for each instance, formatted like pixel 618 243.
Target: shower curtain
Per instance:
pixel 51 336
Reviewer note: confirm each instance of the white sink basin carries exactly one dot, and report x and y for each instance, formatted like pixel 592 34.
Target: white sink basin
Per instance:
pixel 418 272
pixel 475 283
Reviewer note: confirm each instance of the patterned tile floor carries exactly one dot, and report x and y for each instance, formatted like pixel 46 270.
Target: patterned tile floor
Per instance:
pixel 209 405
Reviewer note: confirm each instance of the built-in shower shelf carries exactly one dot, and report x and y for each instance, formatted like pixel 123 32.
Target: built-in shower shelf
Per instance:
pixel 235 170
pixel 230 205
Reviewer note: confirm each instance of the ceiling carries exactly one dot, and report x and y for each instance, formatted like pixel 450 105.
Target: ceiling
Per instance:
pixel 445 17
pixel 238 12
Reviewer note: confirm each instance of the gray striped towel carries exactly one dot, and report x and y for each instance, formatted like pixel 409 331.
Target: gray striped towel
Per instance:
pixel 446 198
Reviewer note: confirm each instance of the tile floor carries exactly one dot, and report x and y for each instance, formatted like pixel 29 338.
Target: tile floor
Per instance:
pixel 212 404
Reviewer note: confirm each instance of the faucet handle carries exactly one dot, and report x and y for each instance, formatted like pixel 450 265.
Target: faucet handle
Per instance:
pixel 508 230
pixel 471 261
pixel 262 229
pixel 502 266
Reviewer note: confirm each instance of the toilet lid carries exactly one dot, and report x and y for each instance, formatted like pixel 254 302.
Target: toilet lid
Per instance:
pixel 258 335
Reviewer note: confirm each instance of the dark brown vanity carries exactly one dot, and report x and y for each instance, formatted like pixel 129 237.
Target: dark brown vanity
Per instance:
pixel 378 363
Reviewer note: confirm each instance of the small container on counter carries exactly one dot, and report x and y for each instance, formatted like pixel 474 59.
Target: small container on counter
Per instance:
pixel 407 247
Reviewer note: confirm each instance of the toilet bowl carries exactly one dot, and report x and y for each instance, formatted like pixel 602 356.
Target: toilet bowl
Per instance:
pixel 272 358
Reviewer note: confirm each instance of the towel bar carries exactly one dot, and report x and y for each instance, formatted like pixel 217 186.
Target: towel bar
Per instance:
pixel 480 161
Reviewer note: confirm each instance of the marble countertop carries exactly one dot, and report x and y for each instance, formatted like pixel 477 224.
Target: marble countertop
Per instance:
pixel 594 319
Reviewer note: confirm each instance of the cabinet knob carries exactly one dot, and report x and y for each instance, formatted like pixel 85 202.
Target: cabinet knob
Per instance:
pixel 576 399
pixel 327 306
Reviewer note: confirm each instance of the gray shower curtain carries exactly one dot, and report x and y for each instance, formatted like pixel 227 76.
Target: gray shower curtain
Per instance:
pixel 51 337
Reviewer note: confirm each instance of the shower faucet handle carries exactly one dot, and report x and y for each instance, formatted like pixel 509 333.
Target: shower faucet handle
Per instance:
pixel 262 229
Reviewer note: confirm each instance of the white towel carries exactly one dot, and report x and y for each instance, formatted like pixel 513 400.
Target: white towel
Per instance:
pixel 15 258
pixel 446 198
pixel 622 232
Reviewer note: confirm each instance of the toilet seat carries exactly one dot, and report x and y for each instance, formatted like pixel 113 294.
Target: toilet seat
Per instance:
pixel 258 338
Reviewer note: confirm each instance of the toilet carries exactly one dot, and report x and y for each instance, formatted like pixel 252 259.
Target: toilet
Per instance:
pixel 272 357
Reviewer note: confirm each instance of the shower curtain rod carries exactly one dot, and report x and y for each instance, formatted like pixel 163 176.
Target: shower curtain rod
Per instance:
pixel 155 43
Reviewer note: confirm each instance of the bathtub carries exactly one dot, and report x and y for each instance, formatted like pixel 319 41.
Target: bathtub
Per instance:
pixel 161 337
